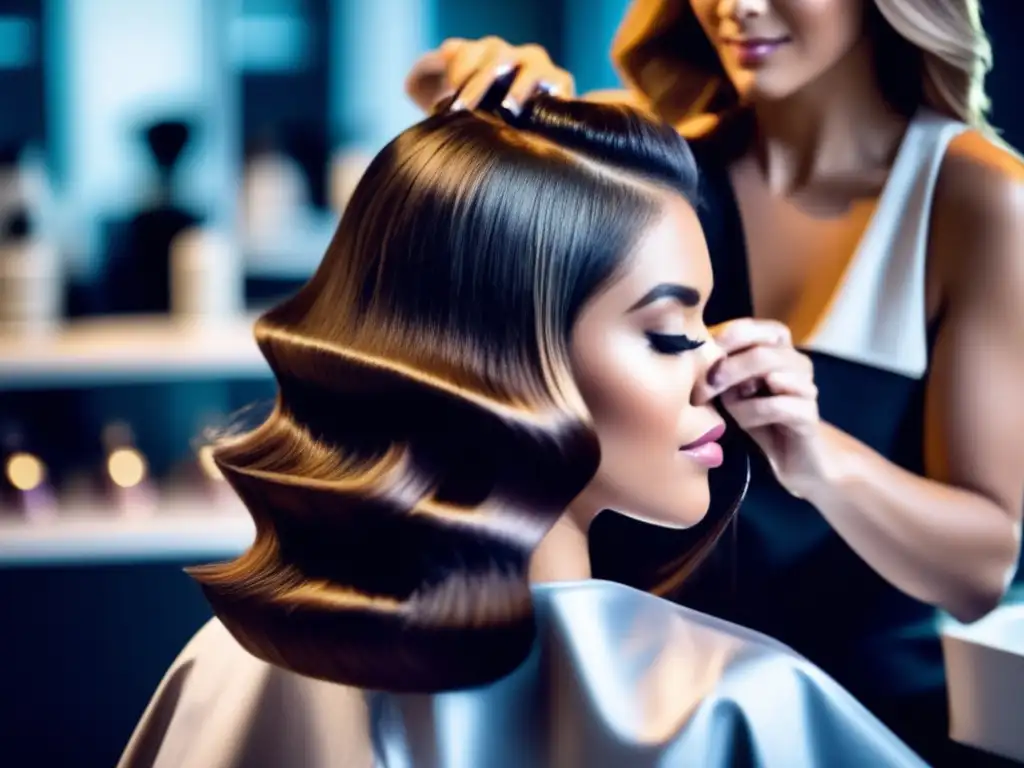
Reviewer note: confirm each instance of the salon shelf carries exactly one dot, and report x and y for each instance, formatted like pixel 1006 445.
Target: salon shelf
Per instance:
pixel 177 531
pixel 131 349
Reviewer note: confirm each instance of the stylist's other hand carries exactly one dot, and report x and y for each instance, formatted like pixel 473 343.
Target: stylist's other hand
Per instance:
pixel 767 386
pixel 470 67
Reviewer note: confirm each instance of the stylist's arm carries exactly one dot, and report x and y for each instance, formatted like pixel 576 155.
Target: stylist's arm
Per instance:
pixel 951 538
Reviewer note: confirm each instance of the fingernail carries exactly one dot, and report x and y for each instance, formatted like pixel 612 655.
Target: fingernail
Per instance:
pixel 511 105
pixel 457 106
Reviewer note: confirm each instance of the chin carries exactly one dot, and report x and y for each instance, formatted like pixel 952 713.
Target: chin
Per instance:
pixel 684 511
pixel 769 90
pixel 767 83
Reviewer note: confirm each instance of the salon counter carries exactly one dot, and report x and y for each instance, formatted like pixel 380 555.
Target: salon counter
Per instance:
pixel 985 670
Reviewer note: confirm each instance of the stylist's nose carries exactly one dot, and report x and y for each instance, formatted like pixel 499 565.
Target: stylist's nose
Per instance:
pixel 739 10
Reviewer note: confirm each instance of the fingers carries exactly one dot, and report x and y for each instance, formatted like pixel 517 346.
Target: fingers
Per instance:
pixel 774 366
pixel 450 48
pixel 795 383
pixel 427 82
pixel 537 75
pixel 476 66
pixel 748 332
pixel 430 64
pixel 470 67
pixel 796 413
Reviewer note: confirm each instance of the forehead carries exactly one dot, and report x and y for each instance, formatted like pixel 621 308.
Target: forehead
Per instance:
pixel 672 250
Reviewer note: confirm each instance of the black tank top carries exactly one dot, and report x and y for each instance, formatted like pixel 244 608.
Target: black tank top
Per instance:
pixel 791 575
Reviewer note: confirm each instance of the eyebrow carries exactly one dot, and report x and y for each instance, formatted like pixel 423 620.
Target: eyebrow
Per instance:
pixel 684 294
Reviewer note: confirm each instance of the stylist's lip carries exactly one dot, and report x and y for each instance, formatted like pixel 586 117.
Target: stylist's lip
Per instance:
pixel 754 51
pixel 705 449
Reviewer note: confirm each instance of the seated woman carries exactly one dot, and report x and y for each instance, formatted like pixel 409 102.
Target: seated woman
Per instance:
pixel 504 335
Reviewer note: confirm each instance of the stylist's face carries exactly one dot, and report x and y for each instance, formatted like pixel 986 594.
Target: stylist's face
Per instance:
pixel 771 49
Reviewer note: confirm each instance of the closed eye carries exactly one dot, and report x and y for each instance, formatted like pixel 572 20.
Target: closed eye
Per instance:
pixel 672 344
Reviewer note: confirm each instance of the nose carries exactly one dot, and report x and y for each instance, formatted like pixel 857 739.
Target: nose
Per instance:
pixel 738 10
pixel 711 354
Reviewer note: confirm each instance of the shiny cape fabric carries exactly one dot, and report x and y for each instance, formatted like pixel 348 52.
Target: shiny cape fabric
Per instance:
pixel 617 678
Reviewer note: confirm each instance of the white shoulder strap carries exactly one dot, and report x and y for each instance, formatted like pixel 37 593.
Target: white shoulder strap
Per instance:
pixel 878 315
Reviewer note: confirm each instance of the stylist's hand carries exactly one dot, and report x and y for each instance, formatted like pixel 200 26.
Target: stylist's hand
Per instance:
pixel 471 66
pixel 768 387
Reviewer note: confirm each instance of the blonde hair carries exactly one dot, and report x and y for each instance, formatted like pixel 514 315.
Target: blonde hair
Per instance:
pixel 937 50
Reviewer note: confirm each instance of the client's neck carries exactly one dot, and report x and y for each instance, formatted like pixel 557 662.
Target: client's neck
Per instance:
pixel 563 554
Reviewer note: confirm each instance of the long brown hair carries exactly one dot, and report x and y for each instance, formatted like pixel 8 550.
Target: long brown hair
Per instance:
pixel 929 52
pixel 427 431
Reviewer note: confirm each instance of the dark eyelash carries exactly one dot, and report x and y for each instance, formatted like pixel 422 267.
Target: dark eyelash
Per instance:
pixel 672 344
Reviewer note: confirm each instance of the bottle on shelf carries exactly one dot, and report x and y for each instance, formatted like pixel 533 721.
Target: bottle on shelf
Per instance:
pixel 348 164
pixel 207 283
pixel 30 281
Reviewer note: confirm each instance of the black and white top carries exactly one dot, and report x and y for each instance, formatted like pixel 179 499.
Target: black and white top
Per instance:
pixel 794 577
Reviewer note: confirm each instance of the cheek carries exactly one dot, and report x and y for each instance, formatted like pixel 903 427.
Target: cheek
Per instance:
pixel 706 12
pixel 642 402
pixel 825 30
pixel 639 409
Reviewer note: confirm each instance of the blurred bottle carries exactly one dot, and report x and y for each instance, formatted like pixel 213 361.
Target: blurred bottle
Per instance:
pixel 24 488
pixel 274 193
pixel 347 167
pixel 207 282
pixel 31 285
pixel 139 269
pixel 126 479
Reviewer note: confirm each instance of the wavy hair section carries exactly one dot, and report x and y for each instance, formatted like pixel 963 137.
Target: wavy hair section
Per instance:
pixel 928 52
pixel 427 431
pixel 385 548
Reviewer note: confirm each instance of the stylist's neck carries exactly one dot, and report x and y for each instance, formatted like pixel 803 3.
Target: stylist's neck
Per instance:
pixel 834 127
pixel 563 554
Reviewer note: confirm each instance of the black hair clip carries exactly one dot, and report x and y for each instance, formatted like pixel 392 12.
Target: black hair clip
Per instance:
pixel 492 103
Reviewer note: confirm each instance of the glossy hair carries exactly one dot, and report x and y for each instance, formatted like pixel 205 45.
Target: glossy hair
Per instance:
pixel 427 431
pixel 928 52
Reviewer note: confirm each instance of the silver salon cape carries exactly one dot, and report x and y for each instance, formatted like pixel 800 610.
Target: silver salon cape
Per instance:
pixel 617 678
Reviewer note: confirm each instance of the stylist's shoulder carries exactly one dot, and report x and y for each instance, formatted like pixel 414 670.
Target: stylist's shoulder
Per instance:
pixel 979 210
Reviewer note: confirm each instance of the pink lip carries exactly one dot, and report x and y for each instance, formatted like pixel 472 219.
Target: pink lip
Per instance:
pixel 705 449
pixel 711 436
pixel 754 51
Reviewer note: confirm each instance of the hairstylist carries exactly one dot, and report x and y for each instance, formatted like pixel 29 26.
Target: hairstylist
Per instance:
pixel 867 234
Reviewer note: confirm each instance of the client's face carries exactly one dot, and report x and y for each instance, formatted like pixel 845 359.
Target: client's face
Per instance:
pixel 638 349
